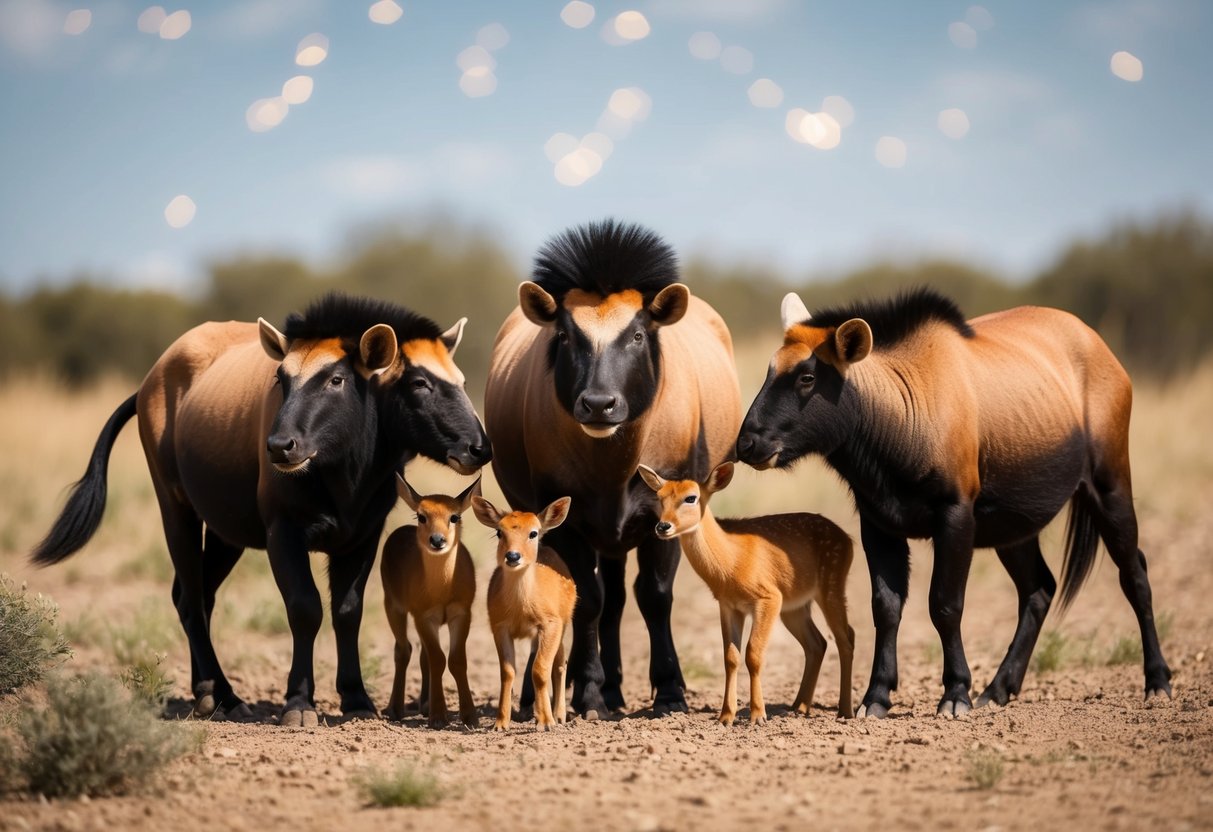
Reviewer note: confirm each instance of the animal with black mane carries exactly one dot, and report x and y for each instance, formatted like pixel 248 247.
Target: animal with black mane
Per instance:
pixel 609 361
pixel 286 441
pixel 970 433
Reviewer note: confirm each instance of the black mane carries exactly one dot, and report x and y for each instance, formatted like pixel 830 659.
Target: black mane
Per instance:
pixel 338 315
pixel 606 257
pixel 894 319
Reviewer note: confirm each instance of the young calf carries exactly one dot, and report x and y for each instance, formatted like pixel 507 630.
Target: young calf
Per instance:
pixel 773 566
pixel 531 595
pixel 428 574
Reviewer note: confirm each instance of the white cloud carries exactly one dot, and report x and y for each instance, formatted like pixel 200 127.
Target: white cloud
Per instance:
pixel 372 177
pixel 455 166
pixel 29 27
pixel 732 11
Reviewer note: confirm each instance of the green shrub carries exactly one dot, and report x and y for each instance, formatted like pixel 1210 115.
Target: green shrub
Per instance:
pixel 985 769
pixel 147 680
pixel 269 618
pixel 401 786
pixel 150 630
pixel 29 640
pixel 1050 652
pixel 1126 650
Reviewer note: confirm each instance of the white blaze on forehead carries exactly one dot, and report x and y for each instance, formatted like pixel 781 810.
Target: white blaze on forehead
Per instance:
pixel 602 320
pixel 307 358
pixel 433 356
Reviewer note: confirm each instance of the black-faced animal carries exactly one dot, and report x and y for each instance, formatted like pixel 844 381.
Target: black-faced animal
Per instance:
pixel 286 441
pixel 609 361
pixel 970 433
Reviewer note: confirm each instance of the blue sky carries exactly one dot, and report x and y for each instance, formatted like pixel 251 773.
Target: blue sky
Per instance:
pixel 100 130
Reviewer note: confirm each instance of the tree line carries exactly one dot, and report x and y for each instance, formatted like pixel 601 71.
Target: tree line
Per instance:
pixel 1147 287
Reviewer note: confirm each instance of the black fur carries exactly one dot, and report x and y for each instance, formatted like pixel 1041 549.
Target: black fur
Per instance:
pixel 894 319
pixel 338 315
pixel 606 257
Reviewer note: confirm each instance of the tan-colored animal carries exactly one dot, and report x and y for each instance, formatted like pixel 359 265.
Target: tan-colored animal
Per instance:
pixel 771 567
pixel 531 595
pixel 428 573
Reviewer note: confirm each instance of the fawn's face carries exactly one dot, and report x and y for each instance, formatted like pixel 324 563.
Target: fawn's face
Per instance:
pixel 680 508
pixel 438 520
pixel 518 536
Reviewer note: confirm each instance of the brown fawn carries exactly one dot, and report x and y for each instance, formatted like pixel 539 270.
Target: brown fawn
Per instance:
pixel 531 595
pixel 428 574
pixel 771 567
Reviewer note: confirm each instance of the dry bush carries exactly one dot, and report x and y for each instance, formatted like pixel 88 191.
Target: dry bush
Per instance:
pixel 30 642
pixel 402 786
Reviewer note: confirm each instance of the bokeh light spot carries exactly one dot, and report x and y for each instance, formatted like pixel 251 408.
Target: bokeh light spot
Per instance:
pixel 266 113
pixel 577 14
pixel 176 25
pixel 1127 66
pixel 765 93
pixel 962 35
pixel 891 152
pixel 979 18
pixel 475 57
pixel 385 12
pixel 478 82
pixel 953 123
pixel 705 46
pixel 297 90
pixel 492 37
pixel 559 146
pixel 821 130
pixel 180 211
pixel 77 22
pixel 839 108
pixel 737 60
pixel 312 50
pixel 631 26
pixel 150 20
pixel 630 103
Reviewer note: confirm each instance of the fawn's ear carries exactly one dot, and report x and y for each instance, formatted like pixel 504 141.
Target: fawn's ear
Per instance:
pixel 272 341
pixel 720 478
pixel 555 514
pixel 465 497
pixel 486 512
pixel 651 478
pixel 411 498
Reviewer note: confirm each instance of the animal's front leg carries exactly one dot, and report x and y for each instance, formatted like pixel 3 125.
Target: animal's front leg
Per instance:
pixel 293 574
pixel 585 664
pixel 953 555
pixel 505 654
pixel 458 624
pixel 427 629
pixel 889 568
pixel 657 561
pixel 731 625
pixel 348 574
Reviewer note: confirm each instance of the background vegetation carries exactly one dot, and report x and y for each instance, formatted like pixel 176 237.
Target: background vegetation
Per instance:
pixel 1146 286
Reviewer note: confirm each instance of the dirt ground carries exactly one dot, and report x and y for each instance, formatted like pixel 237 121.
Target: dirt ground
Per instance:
pixel 1079 749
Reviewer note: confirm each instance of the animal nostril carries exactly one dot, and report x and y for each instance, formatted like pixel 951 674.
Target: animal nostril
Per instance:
pixel 599 404
pixel 745 443
pixel 513 557
pixel 664 527
pixel 437 541
pixel 280 445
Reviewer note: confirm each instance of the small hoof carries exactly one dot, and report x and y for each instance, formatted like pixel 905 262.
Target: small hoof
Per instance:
pixel 501 726
pixel 872 711
pixel 591 716
pixel 296 718
pixel 950 710
pixel 758 721
pixel 726 720
pixel 1156 694
pixel 204 706
pixel 437 724
pixel 844 714
pixel 470 720
pixel 240 713
pixel 360 713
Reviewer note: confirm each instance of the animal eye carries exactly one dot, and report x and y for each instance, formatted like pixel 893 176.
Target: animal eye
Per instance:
pixel 562 336
pixel 638 337
pixel 421 518
pixel 807 379
pixel 337 381
pixel 421 384
pixel 534 534
pixel 454 518
pixel 691 499
pixel 498 533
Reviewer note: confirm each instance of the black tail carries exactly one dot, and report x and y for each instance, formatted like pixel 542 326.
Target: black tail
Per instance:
pixel 82 515
pixel 1082 539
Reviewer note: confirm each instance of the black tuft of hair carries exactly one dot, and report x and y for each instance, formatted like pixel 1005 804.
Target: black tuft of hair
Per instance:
pixel 604 258
pixel 894 319
pixel 338 315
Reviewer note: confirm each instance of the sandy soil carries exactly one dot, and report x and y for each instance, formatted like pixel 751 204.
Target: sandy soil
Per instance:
pixel 1080 749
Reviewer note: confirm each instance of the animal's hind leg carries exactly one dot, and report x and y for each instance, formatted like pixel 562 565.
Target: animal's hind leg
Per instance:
pixel 614 596
pixel 953 555
pixel 800 624
pixel 1117 523
pixel 889 569
pixel 218 559
pixel 183 535
pixel 658 562
pixel 1036 586
pixel 834 608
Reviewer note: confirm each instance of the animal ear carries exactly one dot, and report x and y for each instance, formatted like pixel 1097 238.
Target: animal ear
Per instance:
pixel 465 497
pixel 555 514
pixel 453 336
pixel 378 348
pixel 651 478
pixel 670 304
pixel 486 512
pixel 272 341
pixel 411 498
pixel 720 478
pixel 792 311
pixel 538 306
pixel 853 341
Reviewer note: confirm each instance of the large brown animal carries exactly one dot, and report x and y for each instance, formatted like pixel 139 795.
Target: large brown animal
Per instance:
pixel 288 442
pixel 609 361
pixel 971 434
